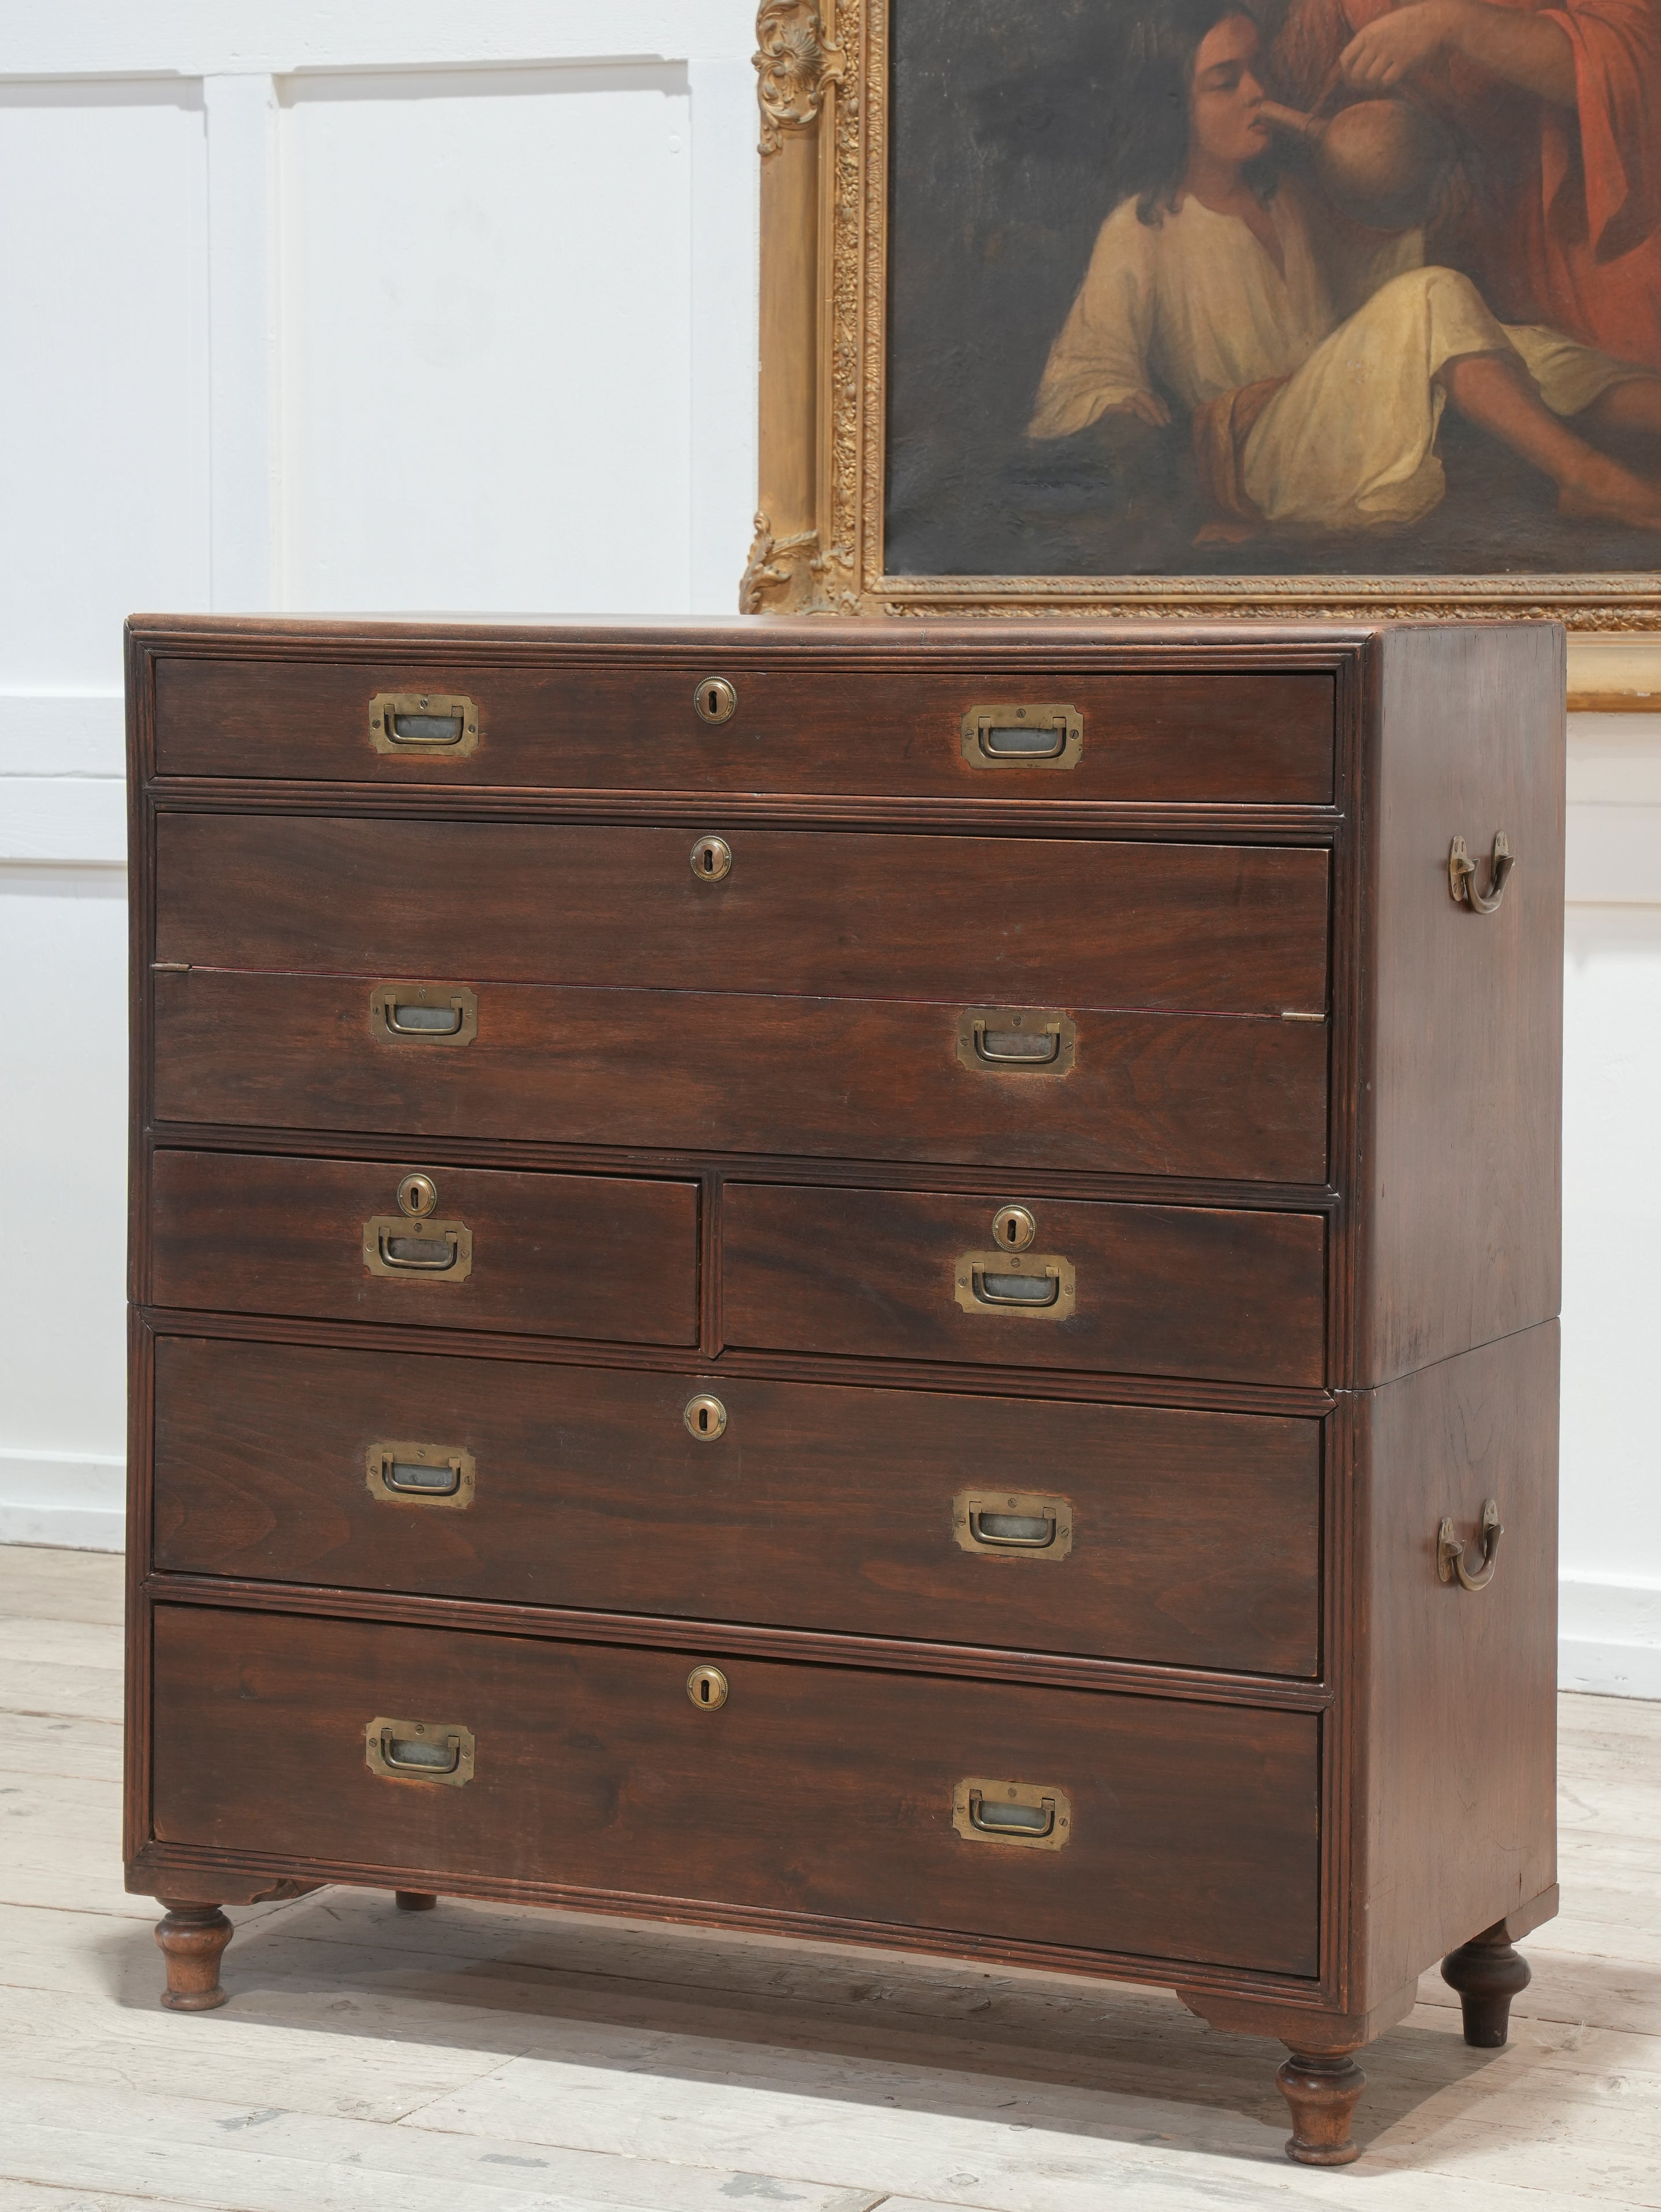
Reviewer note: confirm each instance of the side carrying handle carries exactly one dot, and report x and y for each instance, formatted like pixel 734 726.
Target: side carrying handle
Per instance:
pixel 1451 1552
pixel 1462 875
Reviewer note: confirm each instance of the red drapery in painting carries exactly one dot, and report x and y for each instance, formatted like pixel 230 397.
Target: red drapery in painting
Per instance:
pixel 1558 219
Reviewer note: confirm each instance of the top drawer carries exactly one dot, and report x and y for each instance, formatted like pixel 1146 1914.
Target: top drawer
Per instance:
pixel 960 728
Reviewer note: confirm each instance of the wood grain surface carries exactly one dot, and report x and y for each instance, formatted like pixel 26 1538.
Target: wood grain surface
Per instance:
pixel 553 1254
pixel 1195 1291
pixel 824 1789
pixel 1160 1094
pixel 611 724
pixel 1196 1536
pixel 1197 928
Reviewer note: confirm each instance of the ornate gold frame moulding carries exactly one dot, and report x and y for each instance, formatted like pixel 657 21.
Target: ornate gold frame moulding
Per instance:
pixel 822 68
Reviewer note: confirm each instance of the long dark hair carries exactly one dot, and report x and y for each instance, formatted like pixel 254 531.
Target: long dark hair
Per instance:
pixel 1153 133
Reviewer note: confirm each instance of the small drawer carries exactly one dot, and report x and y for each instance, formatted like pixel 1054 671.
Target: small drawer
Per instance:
pixel 597 1256
pixel 1203 1291
pixel 739 715
pixel 1187 1539
pixel 1108 1090
pixel 1166 1829
pixel 1194 928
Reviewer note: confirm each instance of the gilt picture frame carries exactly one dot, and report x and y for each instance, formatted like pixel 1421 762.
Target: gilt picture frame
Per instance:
pixel 866 505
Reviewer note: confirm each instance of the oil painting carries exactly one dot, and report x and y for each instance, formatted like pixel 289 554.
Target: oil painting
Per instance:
pixel 1260 288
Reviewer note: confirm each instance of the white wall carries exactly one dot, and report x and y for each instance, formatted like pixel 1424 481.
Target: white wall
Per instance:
pixel 399 305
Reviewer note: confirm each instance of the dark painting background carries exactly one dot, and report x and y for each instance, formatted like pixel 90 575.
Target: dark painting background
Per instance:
pixel 1001 173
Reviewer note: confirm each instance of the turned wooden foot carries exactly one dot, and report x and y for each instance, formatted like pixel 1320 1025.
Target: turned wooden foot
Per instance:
pixel 1488 1974
pixel 1322 2093
pixel 191 1937
pixel 414 1900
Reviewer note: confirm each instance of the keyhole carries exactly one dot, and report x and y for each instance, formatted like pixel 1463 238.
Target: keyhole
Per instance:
pixel 704 1692
pixel 1011 1231
pixel 708 860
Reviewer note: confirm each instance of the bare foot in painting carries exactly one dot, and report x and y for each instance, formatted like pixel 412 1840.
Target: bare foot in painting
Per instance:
pixel 1600 490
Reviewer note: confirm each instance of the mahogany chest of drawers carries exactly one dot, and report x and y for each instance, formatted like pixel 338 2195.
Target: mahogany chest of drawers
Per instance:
pixel 859 1280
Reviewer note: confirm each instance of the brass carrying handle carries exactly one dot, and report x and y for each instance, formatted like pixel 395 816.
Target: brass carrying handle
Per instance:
pixel 423 722
pixel 1011 1819
pixel 1019 1040
pixel 420 1256
pixel 419 1751
pixel 1042 1284
pixel 1016 1524
pixel 1034 1815
pixel 1462 875
pixel 424 1013
pixel 1450 1551
pixel 1022 1290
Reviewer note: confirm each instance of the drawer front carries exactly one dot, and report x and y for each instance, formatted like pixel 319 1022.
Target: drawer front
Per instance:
pixel 1260 738
pixel 1225 1294
pixel 1190 1829
pixel 1188 1538
pixel 595 1257
pixel 1134 1093
pixel 983 920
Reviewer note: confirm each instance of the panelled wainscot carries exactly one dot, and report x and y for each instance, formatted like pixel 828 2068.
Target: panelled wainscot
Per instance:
pixel 889 1281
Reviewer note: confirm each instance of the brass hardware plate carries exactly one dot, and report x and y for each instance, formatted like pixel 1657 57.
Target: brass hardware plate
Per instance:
pixel 417 1195
pixel 707 1688
pixel 422 1013
pixel 1012 1525
pixel 450 1475
pixel 440 724
pixel 1450 1551
pixel 705 1418
pixel 715 700
pixel 448 1256
pixel 1016 1039
pixel 419 1751
pixel 986 1283
pixel 1036 1816
pixel 1023 735
pixel 1014 1228
pixel 711 859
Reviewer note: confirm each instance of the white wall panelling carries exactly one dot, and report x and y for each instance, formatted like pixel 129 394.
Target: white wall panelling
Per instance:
pixel 385 305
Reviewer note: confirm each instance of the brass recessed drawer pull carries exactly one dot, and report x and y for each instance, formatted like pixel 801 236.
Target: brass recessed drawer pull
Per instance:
pixel 1038 1283
pixel 1034 1813
pixel 422 722
pixel 1014 1522
pixel 1022 1040
pixel 442 1251
pixel 1450 1551
pixel 1462 875
pixel 1023 735
pixel 421 1475
pixel 424 1013
pixel 419 1751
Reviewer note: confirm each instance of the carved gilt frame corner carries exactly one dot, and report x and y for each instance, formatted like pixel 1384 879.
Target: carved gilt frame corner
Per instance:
pixel 823 81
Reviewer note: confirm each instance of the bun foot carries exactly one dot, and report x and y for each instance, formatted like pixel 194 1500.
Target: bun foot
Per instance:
pixel 1488 1974
pixel 1322 2093
pixel 193 1937
pixel 414 1900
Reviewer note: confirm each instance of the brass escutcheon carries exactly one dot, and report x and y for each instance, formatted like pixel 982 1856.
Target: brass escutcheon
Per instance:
pixel 705 1418
pixel 707 1688
pixel 711 859
pixel 418 1195
pixel 715 700
pixel 1013 1227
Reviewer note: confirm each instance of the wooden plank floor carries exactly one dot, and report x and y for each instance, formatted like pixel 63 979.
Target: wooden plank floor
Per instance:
pixel 475 2059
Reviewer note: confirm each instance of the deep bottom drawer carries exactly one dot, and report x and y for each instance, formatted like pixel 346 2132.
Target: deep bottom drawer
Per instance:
pixel 1146 1533
pixel 1178 1831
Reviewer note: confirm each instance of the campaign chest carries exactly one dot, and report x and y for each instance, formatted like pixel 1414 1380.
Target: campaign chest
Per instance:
pixel 862 1281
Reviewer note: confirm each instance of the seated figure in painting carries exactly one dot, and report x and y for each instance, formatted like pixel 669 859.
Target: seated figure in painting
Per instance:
pixel 1314 359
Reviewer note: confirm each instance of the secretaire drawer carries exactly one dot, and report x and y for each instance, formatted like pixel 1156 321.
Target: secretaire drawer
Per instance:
pixel 598 1256
pixel 1225 1294
pixel 1188 1538
pixel 1081 1087
pixel 746 720
pixel 1205 929
pixel 417 1755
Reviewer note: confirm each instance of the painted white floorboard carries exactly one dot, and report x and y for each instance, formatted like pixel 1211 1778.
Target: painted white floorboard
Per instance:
pixel 485 2059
